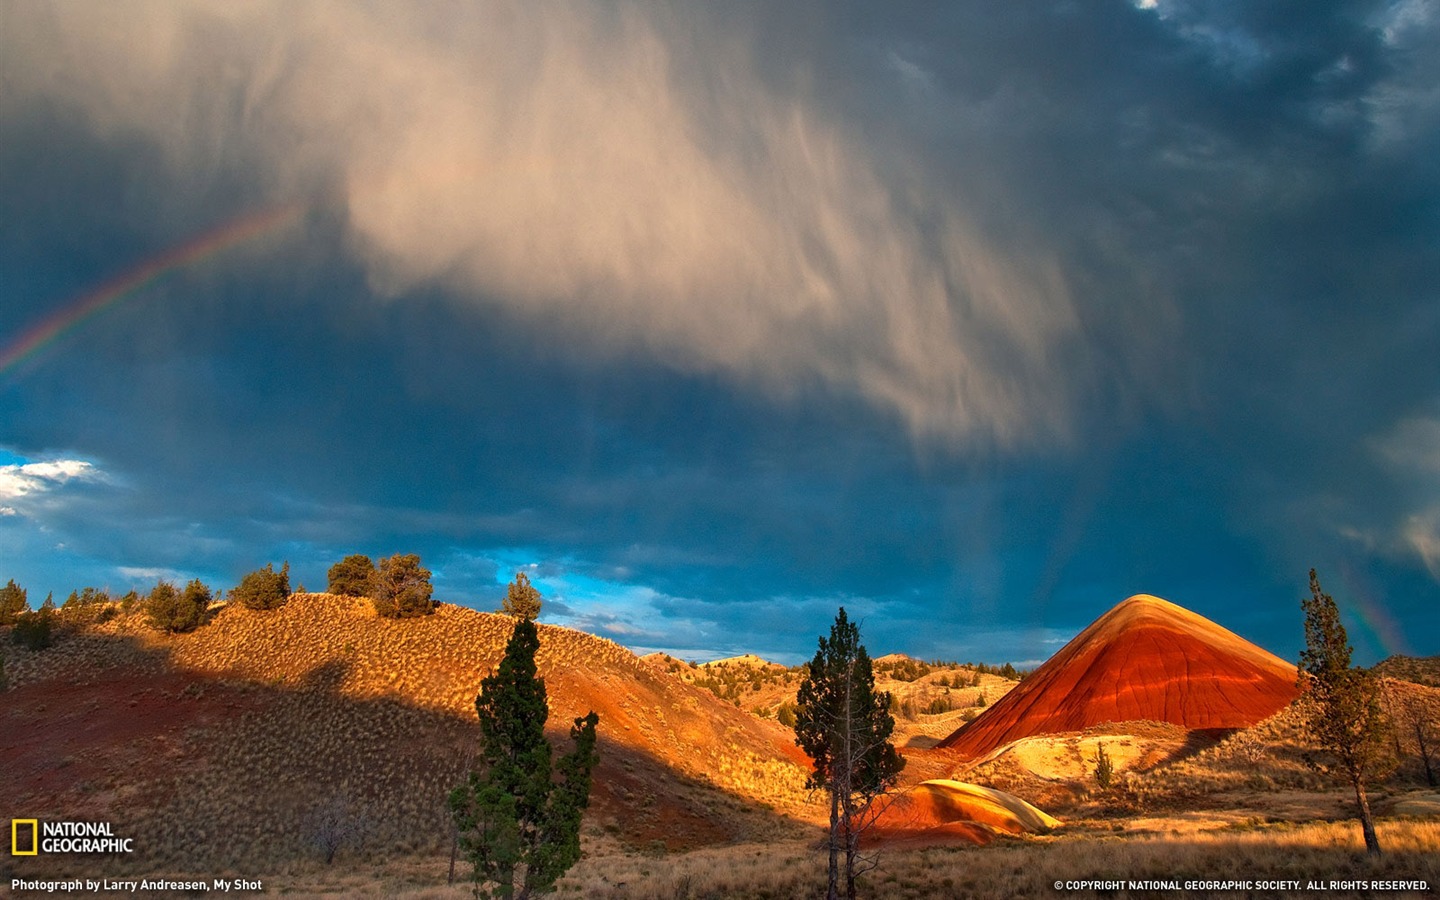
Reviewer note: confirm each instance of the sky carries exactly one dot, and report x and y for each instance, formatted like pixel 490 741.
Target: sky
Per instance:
pixel 974 319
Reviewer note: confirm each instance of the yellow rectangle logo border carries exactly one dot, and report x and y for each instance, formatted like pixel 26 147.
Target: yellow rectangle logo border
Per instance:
pixel 15 837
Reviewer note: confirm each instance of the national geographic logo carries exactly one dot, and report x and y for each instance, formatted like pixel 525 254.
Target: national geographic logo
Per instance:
pixel 31 837
pixel 24 833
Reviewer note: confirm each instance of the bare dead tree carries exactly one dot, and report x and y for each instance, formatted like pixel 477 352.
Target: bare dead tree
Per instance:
pixel 335 825
pixel 1424 747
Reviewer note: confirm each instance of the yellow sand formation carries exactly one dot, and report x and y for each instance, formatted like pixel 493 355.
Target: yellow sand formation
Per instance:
pixel 945 810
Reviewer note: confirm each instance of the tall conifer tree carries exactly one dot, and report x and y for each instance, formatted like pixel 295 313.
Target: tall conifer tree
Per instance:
pixel 518 825
pixel 1346 718
pixel 845 727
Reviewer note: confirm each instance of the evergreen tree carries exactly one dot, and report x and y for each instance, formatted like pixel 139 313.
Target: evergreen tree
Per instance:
pixel 401 588
pixel 85 597
pixel 35 630
pixel 353 576
pixel 518 824
pixel 175 611
pixel 14 600
pixel 845 727
pixel 1345 714
pixel 194 604
pixel 522 600
pixel 263 588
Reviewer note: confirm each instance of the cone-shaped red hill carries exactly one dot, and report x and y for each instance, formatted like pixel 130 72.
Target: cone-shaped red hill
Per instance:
pixel 1145 659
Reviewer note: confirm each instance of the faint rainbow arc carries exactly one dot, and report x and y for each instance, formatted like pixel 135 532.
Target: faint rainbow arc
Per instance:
pixel 92 303
pixel 1376 621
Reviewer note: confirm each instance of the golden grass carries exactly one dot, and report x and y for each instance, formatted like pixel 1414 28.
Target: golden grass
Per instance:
pixel 1011 867
pixel 1029 867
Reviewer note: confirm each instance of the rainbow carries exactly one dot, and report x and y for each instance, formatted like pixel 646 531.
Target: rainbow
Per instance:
pixel 1377 624
pixel 75 313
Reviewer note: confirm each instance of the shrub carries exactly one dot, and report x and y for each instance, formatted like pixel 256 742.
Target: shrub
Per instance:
pixel 353 576
pixel 13 601
pixel 34 630
pixel 263 588
pixel 173 610
pixel 1104 769
pixel 402 587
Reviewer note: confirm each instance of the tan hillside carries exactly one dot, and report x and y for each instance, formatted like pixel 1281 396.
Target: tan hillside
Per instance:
pixel 749 660
pixel 1417 669
pixel 928 700
pixel 234 741
pixel 1145 659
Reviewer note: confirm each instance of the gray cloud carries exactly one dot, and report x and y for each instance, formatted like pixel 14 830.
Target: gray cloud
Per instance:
pixel 611 173
pixel 1411 452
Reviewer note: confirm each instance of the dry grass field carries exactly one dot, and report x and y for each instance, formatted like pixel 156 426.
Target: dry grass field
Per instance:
pixel 1010 868
pixel 242 743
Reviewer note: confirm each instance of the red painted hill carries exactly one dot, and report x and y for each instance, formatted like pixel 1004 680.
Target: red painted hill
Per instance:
pixel 1145 659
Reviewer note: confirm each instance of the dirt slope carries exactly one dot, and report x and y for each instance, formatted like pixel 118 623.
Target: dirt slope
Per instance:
pixel 236 742
pixel 1145 659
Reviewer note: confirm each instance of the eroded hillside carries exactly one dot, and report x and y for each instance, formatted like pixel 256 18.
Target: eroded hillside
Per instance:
pixel 253 735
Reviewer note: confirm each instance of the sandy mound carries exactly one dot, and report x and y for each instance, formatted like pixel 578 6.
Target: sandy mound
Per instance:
pixel 948 812
pixel 1145 659
pixel 1419 805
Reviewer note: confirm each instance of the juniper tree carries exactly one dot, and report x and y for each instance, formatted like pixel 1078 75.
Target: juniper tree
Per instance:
pixel 264 588
pixel 845 727
pixel 174 610
pixel 401 588
pixel 35 630
pixel 518 824
pixel 89 596
pixel 1345 715
pixel 522 600
pixel 14 600
pixel 352 576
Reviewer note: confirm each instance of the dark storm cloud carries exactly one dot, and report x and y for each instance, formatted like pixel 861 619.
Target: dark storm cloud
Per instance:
pixel 989 315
